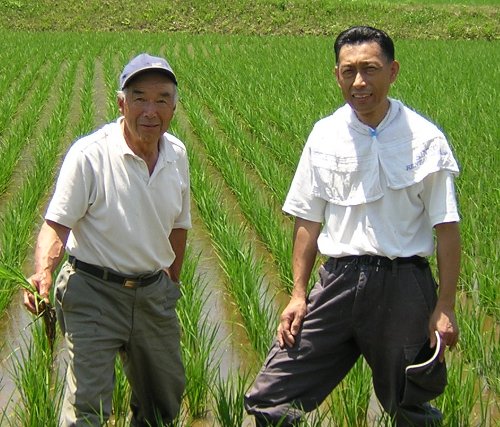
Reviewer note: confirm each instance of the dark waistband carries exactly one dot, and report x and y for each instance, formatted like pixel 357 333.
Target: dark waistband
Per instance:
pixel 379 261
pixel 105 274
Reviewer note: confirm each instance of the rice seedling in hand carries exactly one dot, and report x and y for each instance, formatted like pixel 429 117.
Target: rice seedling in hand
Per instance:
pixel 45 309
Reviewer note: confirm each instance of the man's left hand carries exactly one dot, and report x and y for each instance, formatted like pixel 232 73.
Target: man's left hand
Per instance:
pixel 444 321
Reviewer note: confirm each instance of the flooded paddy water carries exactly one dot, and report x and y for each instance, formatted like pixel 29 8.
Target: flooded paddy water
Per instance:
pixel 13 335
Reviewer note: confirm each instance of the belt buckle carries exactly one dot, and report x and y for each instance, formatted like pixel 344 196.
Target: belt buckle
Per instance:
pixel 131 283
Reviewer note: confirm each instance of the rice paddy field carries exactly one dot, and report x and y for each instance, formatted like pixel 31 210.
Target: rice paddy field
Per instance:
pixel 247 104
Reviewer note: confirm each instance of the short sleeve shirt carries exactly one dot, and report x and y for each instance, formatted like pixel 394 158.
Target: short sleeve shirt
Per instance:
pixel 376 191
pixel 120 216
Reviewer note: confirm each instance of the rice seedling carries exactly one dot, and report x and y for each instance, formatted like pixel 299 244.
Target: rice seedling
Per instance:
pixel 86 122
pixel 121 396
pixel 348 404
pixel 316 418
pixel 461 396
pixel 228 397
pixel 479 345
pixel 111 87
pixel 37 382
pixel 198 340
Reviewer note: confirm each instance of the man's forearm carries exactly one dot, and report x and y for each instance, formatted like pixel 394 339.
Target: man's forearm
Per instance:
pixel 50 247
pixel 305 248
pixel 448 259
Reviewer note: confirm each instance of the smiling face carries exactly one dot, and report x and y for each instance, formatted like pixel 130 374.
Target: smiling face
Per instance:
pixel 147 107
pixel 364 74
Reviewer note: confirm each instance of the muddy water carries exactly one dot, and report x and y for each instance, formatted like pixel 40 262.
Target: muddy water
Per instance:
pixel 232 343
pixel 14 333
pixel 216 308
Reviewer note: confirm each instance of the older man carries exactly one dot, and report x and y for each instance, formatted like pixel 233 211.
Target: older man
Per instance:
pixel 121 210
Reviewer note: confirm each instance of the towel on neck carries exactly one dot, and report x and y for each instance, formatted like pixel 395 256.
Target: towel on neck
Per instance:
pixel 348 157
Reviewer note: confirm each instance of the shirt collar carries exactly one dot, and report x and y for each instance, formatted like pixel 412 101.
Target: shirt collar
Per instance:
pixel 355 123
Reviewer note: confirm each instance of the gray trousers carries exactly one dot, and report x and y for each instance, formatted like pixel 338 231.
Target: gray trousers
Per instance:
pixel 356 308
pixel 101 319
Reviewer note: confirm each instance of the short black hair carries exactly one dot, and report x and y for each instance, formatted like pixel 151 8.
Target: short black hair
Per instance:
pixel 364 34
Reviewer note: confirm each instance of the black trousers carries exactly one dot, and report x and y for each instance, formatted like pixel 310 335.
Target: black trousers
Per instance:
pixel 378 310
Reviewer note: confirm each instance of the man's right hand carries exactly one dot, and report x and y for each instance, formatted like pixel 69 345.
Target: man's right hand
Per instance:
pixel 305 236
pixel 36 304
pixel 49 251
pixel 291 321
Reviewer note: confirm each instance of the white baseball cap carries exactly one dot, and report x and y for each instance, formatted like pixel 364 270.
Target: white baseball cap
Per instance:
pixel 145 62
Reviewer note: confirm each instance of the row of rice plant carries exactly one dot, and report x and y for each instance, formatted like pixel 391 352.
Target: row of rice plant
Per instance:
pixel 236 256
pixel 259 209
pixel 15 90
pixel 259 205
pixel 16 137
pixel 38 383
pixel 22 212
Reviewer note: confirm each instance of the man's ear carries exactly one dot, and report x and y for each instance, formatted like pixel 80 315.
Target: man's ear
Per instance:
pixel 394 71
pixel 121 104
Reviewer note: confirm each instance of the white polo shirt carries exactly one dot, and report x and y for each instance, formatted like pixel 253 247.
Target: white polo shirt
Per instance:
pixel 376 191
pixel 120 216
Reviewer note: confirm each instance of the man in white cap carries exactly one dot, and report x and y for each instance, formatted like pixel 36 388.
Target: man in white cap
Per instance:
pixel 121 210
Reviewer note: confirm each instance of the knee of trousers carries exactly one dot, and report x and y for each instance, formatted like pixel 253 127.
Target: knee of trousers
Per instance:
pixel 418 415
pixel 424 415
pixel 268 415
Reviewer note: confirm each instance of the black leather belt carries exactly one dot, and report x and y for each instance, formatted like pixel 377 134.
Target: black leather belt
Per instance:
pixel 379 261
pixel 105 274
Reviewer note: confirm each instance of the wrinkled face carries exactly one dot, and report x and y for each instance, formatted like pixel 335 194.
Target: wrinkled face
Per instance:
pixel 365 75
pixel 148 108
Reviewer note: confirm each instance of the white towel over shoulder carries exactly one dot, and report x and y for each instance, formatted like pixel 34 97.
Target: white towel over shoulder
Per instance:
pixel 347 161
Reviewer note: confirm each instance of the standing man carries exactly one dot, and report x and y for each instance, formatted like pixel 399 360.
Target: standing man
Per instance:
pixel 374 181
pixel 121 209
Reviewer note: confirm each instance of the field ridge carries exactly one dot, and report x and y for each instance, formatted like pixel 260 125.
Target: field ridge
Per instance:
pixel 408 20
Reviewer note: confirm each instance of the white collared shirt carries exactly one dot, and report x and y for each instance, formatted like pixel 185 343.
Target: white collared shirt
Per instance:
pixel 120 216
pixel 376 191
